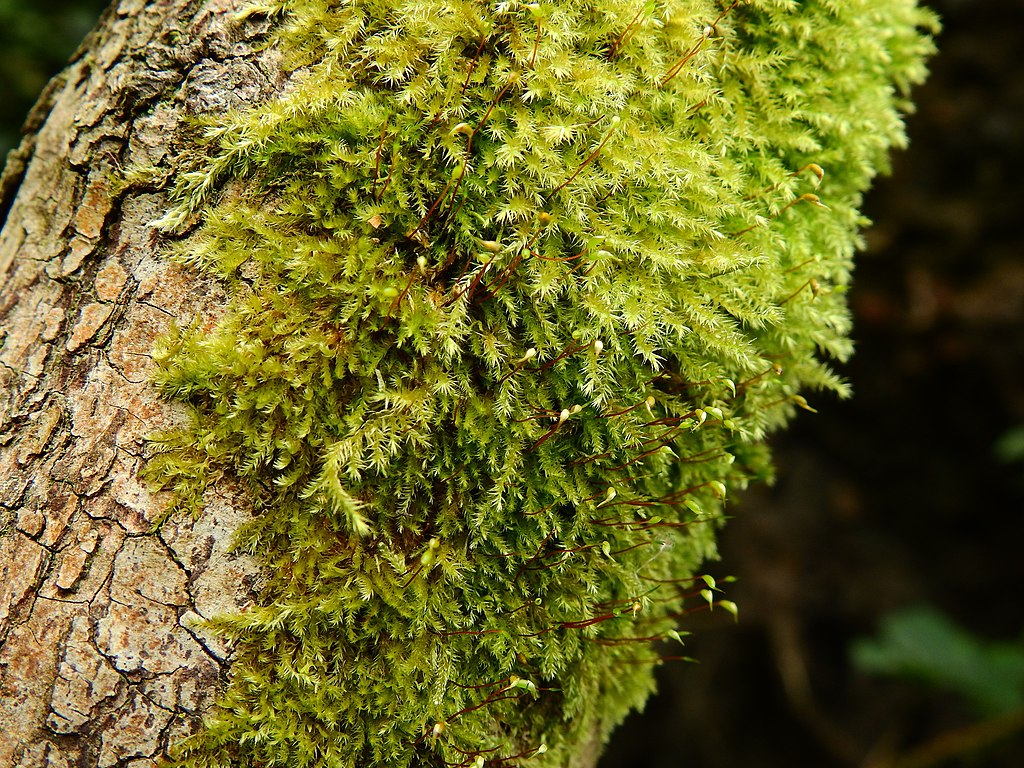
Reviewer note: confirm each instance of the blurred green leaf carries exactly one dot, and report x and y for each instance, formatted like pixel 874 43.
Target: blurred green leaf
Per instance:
pixel 1010 447
pixel 920 643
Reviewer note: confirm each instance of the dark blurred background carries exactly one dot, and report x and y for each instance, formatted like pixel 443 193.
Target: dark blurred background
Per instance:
pixel 881 580
pixel 36 38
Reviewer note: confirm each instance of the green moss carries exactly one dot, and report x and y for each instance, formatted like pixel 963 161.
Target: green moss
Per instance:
pixel 519 292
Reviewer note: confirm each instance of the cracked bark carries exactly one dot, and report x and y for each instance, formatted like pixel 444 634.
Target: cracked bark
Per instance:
pixel 102 662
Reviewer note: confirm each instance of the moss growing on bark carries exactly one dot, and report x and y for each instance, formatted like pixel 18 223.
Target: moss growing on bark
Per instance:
pixel 519 291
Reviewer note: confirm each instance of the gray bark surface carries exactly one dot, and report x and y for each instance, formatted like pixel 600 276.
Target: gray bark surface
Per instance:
pixel 101 661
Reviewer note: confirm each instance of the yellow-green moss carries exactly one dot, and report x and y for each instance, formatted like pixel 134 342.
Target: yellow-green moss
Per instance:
pixel 519 291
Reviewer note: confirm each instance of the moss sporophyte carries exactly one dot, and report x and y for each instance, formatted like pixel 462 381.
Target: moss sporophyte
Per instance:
pixel 526 286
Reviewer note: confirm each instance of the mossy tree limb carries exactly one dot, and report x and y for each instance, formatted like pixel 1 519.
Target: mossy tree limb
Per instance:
pixel 517 292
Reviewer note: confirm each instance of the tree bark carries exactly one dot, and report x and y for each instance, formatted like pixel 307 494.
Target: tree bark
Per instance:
pixel 101 661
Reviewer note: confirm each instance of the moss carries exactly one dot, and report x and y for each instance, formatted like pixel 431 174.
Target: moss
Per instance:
pixel 520 289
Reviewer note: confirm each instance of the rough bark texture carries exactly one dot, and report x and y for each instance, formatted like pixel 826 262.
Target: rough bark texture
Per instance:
pixel 101 663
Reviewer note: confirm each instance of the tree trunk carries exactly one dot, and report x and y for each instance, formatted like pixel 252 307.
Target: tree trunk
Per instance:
pixel 100 661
